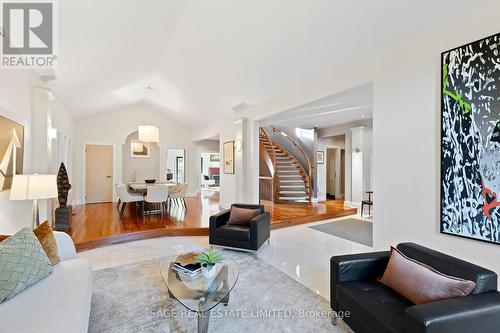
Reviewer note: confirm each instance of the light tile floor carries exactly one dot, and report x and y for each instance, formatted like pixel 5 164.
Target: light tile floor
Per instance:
pixel 300 252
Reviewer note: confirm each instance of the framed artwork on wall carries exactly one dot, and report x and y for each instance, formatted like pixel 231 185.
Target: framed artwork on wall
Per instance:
pixel 214 158
pixel 470 140
pixel 140 149
pixel 11 151
pixel 320 157
pixel 229 157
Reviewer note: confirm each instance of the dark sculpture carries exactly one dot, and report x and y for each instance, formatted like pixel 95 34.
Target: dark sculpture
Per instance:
pixel 64 212
pixel 63 185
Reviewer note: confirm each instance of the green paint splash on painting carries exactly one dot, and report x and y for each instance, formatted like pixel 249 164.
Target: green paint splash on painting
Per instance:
pixel 464 106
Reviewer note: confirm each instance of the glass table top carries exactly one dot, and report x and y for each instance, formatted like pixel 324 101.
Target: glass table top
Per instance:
pixel 200 294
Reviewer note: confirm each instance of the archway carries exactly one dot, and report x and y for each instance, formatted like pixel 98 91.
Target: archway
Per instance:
pixel 140 160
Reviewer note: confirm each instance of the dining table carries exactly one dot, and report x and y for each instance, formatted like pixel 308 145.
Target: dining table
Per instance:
pixel 142 188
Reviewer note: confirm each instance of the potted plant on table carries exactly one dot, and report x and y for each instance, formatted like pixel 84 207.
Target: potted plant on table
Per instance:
pixel 208 260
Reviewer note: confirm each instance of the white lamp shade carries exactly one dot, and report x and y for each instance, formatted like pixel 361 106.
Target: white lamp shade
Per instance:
pixel 33 187
pixel 149 133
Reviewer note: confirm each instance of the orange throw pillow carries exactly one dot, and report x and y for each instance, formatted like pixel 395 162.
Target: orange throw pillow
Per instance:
pixel 242 216
pixel 46 237
pixel 420 283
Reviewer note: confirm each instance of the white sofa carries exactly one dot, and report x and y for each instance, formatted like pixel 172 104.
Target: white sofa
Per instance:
pixel 58 303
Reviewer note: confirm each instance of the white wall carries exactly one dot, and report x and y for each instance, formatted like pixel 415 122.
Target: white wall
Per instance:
pixel 323 144
pixel 113 128
pixel 23 101
pixel 325 140
pixel 172 154
pixel 406 109
pixel 15 104
pixel 407 136
pixel 358 167
pixel 49 112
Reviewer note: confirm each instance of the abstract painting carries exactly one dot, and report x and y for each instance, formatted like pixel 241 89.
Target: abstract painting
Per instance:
pixel 11 151
pixel 470 140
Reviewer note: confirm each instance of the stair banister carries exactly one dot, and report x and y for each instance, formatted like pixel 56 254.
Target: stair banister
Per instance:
pixel 273 159
pixel 308 160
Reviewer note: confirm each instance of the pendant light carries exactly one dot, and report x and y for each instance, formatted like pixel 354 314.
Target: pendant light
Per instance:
pixel 148 133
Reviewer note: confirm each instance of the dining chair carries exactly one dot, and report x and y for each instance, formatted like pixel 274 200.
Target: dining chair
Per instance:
pixel 172 190
pixel 178 194
pixel 157 195
pixel 368 203
pixel 119 199
pixel 125 197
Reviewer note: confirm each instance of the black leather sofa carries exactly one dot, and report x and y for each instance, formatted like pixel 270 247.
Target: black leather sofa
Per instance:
pixel 368 306
pixel 249 238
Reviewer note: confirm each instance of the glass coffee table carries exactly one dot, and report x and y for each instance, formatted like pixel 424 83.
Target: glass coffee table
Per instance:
pixel 200 295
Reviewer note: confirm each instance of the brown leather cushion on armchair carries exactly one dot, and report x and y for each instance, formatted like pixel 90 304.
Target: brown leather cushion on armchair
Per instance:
pixel 241 216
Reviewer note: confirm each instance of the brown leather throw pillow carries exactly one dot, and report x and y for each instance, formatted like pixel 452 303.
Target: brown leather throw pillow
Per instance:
pixel 46 237
pixel 242 216
pixel 3 237
pixel 420 283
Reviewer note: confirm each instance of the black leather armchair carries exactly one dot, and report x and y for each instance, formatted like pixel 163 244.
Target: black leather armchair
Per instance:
pixel 249 238
pixel 368 306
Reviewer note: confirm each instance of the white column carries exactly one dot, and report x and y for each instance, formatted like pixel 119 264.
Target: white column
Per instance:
pixel 337 173
pixel 240 159
pixel 348 168
pixel 41 145
pixel 357 179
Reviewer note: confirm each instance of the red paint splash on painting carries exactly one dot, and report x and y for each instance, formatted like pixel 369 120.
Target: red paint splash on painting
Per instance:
pixel 488 206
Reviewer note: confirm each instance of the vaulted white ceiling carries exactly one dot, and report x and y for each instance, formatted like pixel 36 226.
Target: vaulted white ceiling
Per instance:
pixel 204 57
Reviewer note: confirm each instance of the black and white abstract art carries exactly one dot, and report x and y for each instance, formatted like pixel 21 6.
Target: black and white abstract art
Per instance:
pixel 470 140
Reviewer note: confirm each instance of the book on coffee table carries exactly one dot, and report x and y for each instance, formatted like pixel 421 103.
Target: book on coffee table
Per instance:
pixel 187 264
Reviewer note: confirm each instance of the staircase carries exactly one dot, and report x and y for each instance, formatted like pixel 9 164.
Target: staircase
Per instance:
pixel 291 182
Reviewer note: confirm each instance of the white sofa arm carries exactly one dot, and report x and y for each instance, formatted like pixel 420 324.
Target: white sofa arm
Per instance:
pixel 65 246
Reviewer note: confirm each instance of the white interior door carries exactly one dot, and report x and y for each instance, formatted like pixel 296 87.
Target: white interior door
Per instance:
pixel 99 173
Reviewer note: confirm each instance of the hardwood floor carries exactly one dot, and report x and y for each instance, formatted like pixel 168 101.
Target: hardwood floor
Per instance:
pixel 100 224
pixel 287 215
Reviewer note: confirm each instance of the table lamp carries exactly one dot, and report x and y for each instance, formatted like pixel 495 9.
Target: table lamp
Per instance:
pixel 34 187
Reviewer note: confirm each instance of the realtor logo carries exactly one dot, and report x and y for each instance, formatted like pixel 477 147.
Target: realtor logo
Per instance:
pixel 28 34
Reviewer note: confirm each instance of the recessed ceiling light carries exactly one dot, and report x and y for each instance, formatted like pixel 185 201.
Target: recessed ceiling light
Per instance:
pixel 363 115
pixel 317 125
